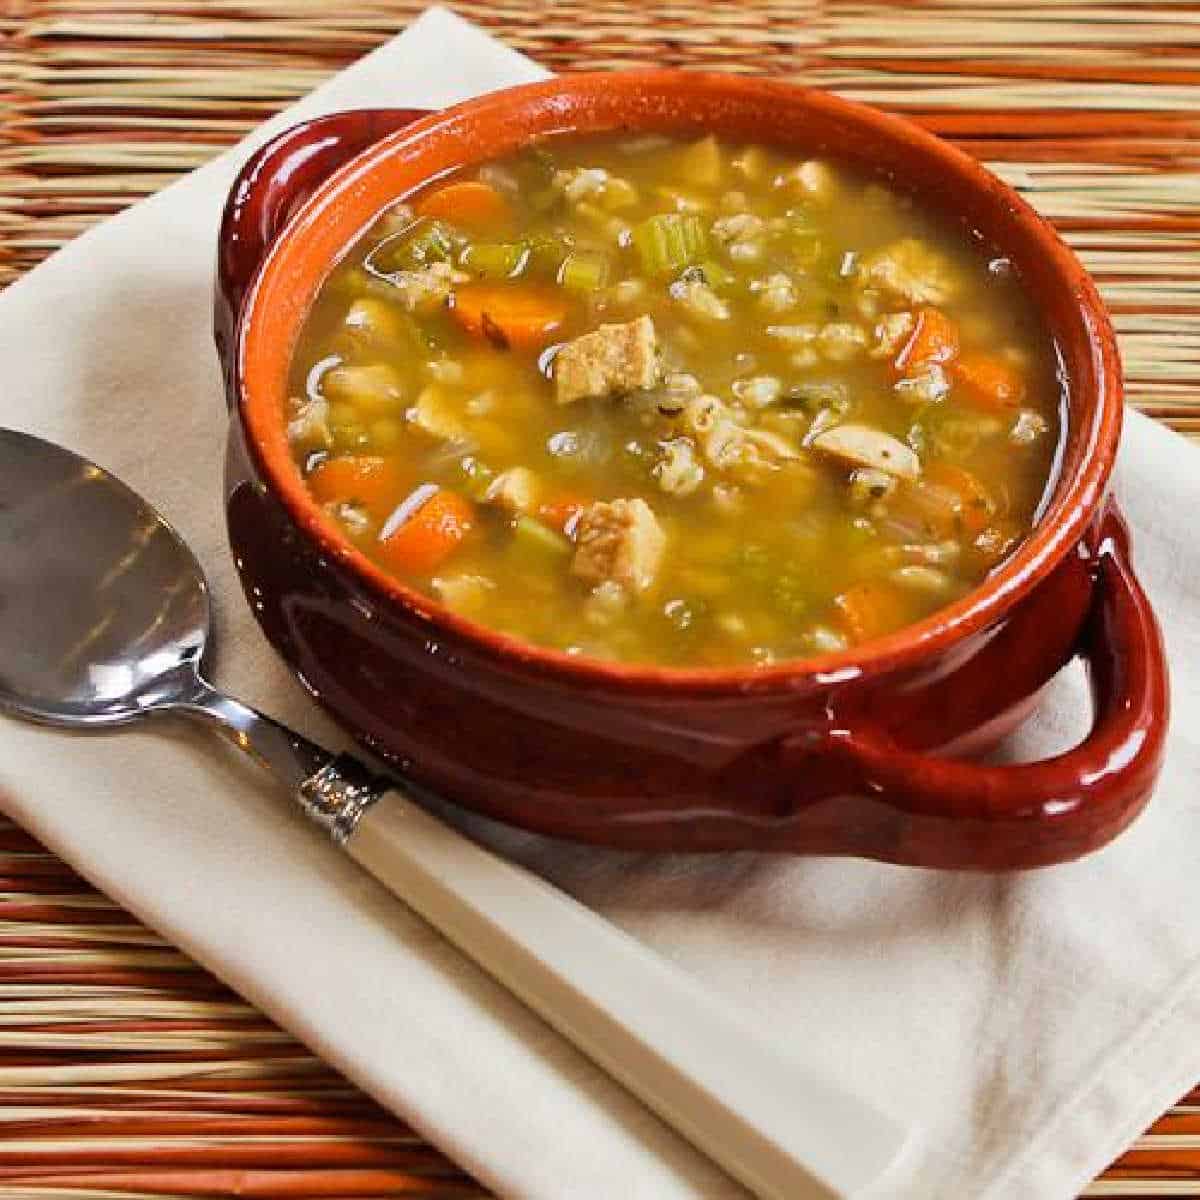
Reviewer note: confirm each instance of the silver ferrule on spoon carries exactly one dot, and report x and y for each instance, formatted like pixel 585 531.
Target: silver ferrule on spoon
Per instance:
pixel 338 795
pixel 784 1131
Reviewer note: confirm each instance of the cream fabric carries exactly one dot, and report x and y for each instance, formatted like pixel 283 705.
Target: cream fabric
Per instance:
pixel 1031 1026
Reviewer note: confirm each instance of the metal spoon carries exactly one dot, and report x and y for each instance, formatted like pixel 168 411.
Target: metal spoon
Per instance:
pixel 104 617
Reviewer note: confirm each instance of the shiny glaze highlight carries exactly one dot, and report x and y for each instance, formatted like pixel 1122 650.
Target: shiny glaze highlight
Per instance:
pixel 845 754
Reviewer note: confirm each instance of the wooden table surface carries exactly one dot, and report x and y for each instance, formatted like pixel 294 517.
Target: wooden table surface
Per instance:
pixel 126 1070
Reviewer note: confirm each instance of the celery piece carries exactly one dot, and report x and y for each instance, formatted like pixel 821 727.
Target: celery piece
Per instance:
pixel 495 260
pixel 425 241
pixel 584 271
pixel 546 253
pixel 668 242
pixel 479 477
pixel 530 535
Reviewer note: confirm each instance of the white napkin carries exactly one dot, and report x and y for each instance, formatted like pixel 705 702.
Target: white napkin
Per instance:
pixel 1030 1025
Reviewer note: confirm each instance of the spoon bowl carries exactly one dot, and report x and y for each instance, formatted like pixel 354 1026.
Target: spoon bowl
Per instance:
pixel 104 611
pixel 104 616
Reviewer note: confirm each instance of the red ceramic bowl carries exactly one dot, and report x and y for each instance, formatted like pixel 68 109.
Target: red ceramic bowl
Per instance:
pixel 867 752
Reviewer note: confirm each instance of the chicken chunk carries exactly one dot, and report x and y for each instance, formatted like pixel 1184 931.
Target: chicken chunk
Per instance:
pixel 862 446
pixel 610 361
pixel 618 542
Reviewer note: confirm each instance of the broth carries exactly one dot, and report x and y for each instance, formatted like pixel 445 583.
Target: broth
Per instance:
pixel 676 402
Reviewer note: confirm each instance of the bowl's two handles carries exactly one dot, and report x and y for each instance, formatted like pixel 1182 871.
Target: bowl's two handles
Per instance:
pixel 273 184
pixel 1060 807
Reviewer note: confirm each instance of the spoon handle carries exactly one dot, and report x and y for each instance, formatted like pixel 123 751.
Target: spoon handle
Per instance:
pixel 783 1133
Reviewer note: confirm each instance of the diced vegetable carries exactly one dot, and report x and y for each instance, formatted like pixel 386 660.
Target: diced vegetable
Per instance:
pixel 515 490
pixel 529 534
pixel 478 475
pixel 584 271
pixel 870 608
pixel 989 382
pixel 470 204
pixel 371 482
pixel 373 389
pixel 973 504
pixel 701 163
pixel 668 242
pixel 560 511
pixel 372 320
pixel 675 401
pixel 933 341
pixel 495 260
pixel 618 193
pixel 546 254
pixel 522 316
pixel 422 243
pixel 862 446
pixel 430 534
pixel 436 414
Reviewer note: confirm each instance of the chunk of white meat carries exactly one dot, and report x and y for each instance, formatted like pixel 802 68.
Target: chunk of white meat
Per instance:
pixel 609 361
pixel 514 490
pixel 862 446
pixel 618 541
pixel 910 270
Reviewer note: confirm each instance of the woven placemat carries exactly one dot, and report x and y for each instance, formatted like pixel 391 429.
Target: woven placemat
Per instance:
pixel 125 1070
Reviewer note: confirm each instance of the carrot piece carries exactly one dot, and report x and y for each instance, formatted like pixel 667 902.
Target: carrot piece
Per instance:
pixel 520 315
pixel 431 534
pixel 973 504
pixel 870 608
pixel 560 510
pixel 372 482
pixel 470 203
pixel 934 339
pixel 989 382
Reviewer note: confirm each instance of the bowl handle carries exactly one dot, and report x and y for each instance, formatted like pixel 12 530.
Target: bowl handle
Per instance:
pixel 954 812
pixel 275 181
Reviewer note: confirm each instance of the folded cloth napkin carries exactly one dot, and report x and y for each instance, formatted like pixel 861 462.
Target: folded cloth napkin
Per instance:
pixel 1029 1025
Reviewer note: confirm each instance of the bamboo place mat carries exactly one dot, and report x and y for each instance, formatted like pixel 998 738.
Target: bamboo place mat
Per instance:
pixel 125 1070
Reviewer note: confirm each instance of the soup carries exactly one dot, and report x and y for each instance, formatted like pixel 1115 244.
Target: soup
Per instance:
pixel 676 402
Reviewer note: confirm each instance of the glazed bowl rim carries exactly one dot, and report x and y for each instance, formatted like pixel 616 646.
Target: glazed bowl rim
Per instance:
pixel 1072 505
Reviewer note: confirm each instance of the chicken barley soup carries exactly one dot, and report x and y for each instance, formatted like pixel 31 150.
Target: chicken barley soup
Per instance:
pixel 676 402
